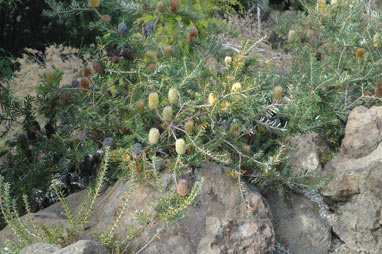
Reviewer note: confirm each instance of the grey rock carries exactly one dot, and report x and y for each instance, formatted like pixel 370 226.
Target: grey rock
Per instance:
pixel 40 248
pixel 122 29
pixel 84 247
pixel 109 141
pixel 354 193
pixel 300 226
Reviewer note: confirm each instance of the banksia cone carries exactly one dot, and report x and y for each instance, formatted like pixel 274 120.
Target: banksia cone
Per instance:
pixel 153 100
pixel 151 67
pixel 277 93
pixel 141 107
pixel 228 60
pixel 212 98
pixel 50 76
pixel 246 149
pixel 160 7
pixel 193 33
pixel 321 5
pixel 94 3
pixel 377 40
pixel 378 90
pixel 173 96
pixel 292 36
pixel 189 127
pixel 236 87
pixel 360 54
pixel 153 136
pixel 167 113
pixel 167 51
pixel 333 2
pixel 97 66
pixel 64 98
pixel 182 188
pixel 180 146
pixel 85 83
pixel 87 71
pixel 106 18
pixel 174 6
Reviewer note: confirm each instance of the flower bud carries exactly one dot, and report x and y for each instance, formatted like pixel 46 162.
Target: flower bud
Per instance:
pixel 180 146
pixel 153 100
pixel 246 149
pixel 277 93
pixel 167 113
pixel 173 96
pixel 94 3
pixel 50 76
pixel 292 36
pixel 182 188
pixel 153 136
pixel 193 33
pixel 189 127
pixel 228 60
pixel 236 87
pixel 174 6
pixel 160 7
pixel 167 51
pixel 141 107
pixel 212 98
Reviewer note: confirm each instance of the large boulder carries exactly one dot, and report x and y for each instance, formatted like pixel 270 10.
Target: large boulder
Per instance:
pixel 218 223
pixel 354 192
pixel 80 247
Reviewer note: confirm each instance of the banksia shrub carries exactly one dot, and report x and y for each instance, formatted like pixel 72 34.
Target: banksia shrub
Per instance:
pixel 153 100
pixel 153 136
pixel 173 96
pixel 180 146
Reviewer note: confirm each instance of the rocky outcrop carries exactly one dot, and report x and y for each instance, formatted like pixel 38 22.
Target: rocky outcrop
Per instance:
pixel 354 192
pixel 80 247
pixel 217 223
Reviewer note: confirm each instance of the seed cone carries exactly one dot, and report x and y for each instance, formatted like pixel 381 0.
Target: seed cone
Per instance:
pixel 50 76
pixel 277 93
pixel 174 6
pixel 160 7
pixel 87 71
pixel 180 146
pixel 378 90
pixel 153 100
pixel 106 18
pixel 85 83
pixel 192 34
pixel 189 127
pixel 182 188
pixel 97 66
pixel 167 113
pixel 173 96
pixel 153 136
pixel 360 54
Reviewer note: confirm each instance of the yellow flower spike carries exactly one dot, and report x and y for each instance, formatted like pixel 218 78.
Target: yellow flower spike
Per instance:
pixel 333 2
pixel 277 93
pixel 173 96
pixel 167 113
pixel 212 99
pixel 153 136
pixel 228 60
pixel 153 100
pixel 189 127
pixel 321 5
pixel 377 40
pixel 292 36
pixel 236 87
pixel 180 146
